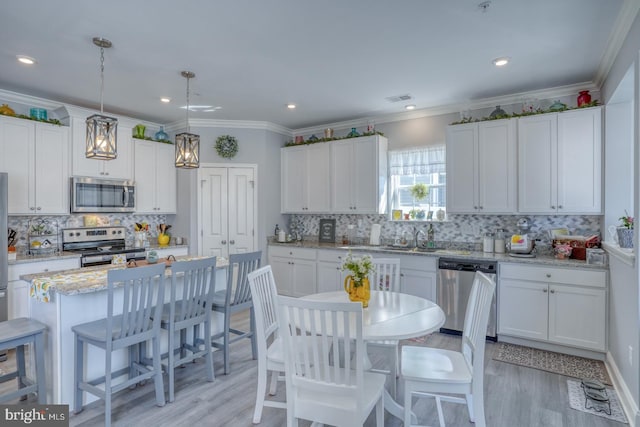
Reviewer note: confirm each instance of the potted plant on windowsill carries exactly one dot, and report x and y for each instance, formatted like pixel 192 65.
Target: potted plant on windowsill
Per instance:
pixel 419 191
pixel 625 232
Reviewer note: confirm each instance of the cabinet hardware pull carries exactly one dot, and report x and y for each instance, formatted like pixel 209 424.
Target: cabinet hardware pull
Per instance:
pixel 475 207
pixel 548 275
pixel 553 207
pixel 232 242
pixel 481 207
pixel 552 291
pixel 559 206
pixel 544 290
pixel 224 242
pixel 39 208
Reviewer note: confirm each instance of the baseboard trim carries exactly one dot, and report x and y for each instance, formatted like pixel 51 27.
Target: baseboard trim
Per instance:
pixel 626 400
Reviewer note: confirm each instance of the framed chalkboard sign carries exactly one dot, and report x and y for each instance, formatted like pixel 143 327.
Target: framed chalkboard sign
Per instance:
pixel 327 231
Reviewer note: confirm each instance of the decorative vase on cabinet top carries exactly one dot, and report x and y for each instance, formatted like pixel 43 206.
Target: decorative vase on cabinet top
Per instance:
pixel 6 110
pixel 138 131
pixel 584 98
pixel 161 135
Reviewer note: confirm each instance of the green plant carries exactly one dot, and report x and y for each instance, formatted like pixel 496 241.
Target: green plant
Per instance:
pixel 627 221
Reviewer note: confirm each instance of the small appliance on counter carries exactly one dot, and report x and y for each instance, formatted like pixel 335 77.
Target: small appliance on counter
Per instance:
pixel 521 245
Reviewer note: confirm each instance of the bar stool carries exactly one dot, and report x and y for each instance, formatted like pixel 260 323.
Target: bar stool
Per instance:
pixel 16 333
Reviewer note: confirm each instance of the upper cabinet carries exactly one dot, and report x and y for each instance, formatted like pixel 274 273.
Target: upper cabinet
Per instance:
pixel 359 173
pixel 344 176
pixel 560 162
pixel 155 177
pixel 36 157
pixel 306 178
pixel 481 167
pixel 119 168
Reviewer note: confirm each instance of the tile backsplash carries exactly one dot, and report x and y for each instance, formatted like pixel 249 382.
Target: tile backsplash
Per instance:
pixel 21 224
pixel 461 231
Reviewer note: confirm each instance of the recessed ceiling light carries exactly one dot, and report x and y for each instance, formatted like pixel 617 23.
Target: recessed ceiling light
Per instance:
pixel 26 59
pixel 410 107
pixel 165 99
pixel 501 62
pixel 291 106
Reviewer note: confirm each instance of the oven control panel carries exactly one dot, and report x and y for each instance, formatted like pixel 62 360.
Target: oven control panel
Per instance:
pixel 94 234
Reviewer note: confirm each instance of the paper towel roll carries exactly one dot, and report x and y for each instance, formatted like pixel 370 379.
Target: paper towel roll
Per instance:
pixel 374 239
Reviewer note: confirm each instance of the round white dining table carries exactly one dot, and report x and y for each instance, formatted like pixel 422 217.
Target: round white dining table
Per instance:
pixel 392 316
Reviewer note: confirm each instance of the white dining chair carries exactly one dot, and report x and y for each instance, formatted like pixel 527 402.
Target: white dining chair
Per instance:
pixel 319 390
pixel 386 278
pixel 432 371
pixel 270 358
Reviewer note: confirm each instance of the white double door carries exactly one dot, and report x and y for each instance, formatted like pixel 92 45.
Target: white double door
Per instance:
pixel 227 213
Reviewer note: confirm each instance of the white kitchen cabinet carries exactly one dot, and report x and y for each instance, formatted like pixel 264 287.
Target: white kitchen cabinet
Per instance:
pixel 18 290
pixel 554 305
pixel 36 157
pixel 172 250
pixel 560 162
pixel 155 177
pixel 481 167
pixel 294 270
pixel 359 175
pixel 305 178
pixel 330 274
pixel 119 168
pixel 418 275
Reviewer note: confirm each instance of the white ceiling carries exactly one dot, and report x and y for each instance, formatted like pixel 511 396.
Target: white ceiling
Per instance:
pixel 337 60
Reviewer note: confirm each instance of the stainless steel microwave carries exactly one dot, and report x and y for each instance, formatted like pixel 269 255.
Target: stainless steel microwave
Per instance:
pixel 102 195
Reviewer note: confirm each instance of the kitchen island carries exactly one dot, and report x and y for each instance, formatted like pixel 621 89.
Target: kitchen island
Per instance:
pixel 64 299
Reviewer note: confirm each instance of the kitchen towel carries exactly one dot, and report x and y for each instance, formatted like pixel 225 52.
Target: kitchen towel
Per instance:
pixel 374 238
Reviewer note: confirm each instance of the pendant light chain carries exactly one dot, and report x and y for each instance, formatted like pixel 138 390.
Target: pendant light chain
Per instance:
pixel 188 128
pixel 101 79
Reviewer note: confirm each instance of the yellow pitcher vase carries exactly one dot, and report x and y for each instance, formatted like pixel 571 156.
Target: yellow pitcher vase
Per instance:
pixel 359 293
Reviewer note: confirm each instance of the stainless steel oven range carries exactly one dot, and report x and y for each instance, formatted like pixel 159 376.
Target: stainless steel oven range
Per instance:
pixel 98 245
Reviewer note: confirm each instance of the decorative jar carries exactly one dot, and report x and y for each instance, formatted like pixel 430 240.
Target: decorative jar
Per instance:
pixel 358 289
pixel 163 239
pixel 138 131
pixel 625 237
pixel 584 98
pixel 161 135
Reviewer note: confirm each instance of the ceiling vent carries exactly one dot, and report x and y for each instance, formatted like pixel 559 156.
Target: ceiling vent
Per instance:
pixel 399 98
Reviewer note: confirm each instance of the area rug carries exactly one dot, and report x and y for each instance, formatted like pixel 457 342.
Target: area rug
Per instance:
pixel 577 402
pixel 563 364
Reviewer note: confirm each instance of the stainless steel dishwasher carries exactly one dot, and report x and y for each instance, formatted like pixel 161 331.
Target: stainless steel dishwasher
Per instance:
pixel 455 278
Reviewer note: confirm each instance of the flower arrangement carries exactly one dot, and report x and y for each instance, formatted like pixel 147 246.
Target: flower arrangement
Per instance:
pixel 360 267
pixel 627 221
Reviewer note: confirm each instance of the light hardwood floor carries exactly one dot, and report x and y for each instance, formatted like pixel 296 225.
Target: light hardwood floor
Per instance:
pixel 514 397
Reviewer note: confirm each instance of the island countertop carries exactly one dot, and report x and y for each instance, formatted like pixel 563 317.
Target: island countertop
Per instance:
pixel 82 280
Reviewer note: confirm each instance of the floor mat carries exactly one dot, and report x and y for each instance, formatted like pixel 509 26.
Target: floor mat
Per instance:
pixel 577 402
pixel 563 364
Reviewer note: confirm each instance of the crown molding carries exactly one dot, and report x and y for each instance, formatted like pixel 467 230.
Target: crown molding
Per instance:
pixel 20 98
pixel 236 124
pixel 621 28
pixel 516 98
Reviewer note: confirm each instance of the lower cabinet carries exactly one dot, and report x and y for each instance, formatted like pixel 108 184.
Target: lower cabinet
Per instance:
pixel 18 290
pixel 172 250
pixel 556 305
pixel 294 270
pixel 418 275
pixel 330 274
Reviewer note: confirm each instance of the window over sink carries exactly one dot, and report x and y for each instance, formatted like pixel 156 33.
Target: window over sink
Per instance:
pixel 418 165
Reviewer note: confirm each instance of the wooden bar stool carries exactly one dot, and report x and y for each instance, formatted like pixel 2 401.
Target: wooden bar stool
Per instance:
pixel 16 334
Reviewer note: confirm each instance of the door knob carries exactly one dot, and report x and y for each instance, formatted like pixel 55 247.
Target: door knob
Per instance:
pixel 224 242
pixel 232 242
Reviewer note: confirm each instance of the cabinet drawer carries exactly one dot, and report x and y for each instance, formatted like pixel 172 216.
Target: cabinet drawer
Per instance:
pixel 332 256
pixel 17 270
pixel 291 252
pixel 419 262
pixel 573 276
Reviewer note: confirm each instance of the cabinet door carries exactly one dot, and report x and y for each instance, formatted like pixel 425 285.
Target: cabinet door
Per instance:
pixel 18 299
pixel 17 139
pixel 122 166
pixel 497 167
pixel 364 175
pixel 330 277
pixel 523 309
pixel 304 277
pixel 341 172
pixel 580 161
pixel 537 161
pixel 577 316
pixel 51 171
pixel 293 179
pixel 462 168
pixel 282 270
pixel 165 179
pixel 145 176
pixel 418 283
pixel 318 178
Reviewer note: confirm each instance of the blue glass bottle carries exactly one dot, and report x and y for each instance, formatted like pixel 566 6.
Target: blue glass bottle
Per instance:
pixel 161 135
pixel 353 133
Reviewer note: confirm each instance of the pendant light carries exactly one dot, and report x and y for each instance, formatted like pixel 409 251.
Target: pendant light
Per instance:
pixel 101 129
pixel 187 144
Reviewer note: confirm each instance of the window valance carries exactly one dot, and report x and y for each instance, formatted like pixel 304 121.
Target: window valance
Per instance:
pixel 418 161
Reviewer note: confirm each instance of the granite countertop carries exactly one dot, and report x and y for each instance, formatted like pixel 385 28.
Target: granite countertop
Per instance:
pixel 82 280
pixel 25 259
pixel 444 253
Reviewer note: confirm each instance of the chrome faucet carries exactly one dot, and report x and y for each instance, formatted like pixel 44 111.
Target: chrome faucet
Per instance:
pixel 416 233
